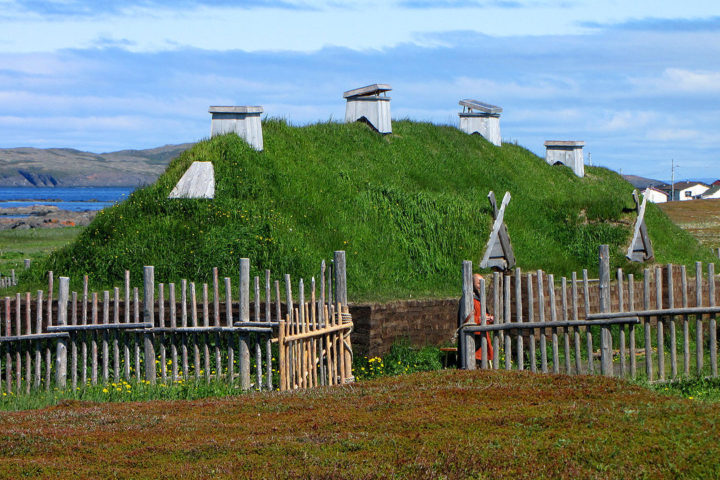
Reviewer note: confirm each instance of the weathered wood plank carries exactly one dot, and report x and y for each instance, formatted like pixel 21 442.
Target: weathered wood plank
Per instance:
pixel 712 327
pixel 660 325
pixel 671 323
pixel 61 357
pixel 648 344
pixel 631 305
pixel 698 320
pixel 243 348
pixel 541 316
pixel 518 317
pixel 553 319
pixel 685 321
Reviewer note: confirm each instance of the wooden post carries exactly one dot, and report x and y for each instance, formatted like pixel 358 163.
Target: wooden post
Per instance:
pixel 686 326
pixel 498 319
pixel 588 331
pixel 194 323
pixel 660 325
pixel 606 366
pixel 646 306
pixel 566 345
pixel 231 337
pixel 50 299
pixel 105 337
pixel 553 318
pixel 173 339
pixel 541 318
pixel 621 308
pixel 258 351
pixel 38 354
pixel 281 355
pixel 483 321
pixel 116 342
pixel 506 319
pixel 340 278
pixel 216 322
pixel 530 313
pixel 576 330
pixel 61 354
pixel 184 323
pixel 466 308
pixel 206 336
pixel 243 349
pixel 698 320
pixel 126 337
pixel 518 318
pixel 673 339
pixel 631 308
pixel 712 327
pixel 149 317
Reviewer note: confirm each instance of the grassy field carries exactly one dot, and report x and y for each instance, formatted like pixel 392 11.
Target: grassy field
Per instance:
pixel 444 424
pixel 35 244
pixel 407 208
pixel 700 218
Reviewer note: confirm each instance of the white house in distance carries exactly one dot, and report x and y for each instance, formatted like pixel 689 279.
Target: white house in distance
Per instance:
pixel 655 195
pixel 712 192
pixel 689 190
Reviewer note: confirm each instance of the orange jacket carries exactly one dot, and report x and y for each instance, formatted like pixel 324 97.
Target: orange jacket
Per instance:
pixel 477 307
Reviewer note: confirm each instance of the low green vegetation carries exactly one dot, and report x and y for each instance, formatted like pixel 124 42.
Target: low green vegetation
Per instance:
pixel 407 208
pixel 698 388
pixel 35 244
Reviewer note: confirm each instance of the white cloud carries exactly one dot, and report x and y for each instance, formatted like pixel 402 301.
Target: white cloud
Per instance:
pixel 675 80
pixel 626 119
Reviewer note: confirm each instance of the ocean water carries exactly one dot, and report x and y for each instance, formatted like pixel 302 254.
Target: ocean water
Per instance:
pixel 77 199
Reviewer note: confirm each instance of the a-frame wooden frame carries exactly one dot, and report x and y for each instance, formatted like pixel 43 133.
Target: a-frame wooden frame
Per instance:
pixel 640 249
pixel 498 252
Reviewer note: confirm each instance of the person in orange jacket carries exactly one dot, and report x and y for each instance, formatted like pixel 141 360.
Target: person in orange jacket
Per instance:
pixel 477 312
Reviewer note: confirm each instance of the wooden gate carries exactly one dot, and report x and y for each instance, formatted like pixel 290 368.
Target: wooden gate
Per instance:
pixel 315 346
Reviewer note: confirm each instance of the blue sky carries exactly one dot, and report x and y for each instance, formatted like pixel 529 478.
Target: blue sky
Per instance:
pixel 638 81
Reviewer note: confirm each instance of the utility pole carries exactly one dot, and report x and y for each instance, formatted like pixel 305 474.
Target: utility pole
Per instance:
pixel 672 179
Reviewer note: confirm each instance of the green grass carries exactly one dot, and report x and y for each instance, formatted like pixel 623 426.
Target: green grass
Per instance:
pixel 706 389
pixel 35 244
pixel 407 208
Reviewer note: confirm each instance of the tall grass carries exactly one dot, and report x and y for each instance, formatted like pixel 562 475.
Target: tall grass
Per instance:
pixel 407 208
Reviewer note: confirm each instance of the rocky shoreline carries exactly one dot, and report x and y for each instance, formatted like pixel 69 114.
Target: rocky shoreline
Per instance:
pixel 43 216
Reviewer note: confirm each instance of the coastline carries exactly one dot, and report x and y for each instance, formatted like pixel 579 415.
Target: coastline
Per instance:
pixel 43 216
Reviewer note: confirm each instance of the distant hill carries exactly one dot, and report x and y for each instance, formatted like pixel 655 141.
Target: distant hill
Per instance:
pixel 65 167
pixel 407 208
pixel 641 182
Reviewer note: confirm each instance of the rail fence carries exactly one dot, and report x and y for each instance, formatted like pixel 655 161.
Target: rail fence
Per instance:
pixel 619 328
pixel 172 333
pixel 7 281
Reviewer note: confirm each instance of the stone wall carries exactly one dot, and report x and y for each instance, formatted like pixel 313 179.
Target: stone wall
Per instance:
pixel 421 322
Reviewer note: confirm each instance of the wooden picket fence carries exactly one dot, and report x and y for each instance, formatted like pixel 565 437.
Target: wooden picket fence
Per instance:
pixel 7 281
pixel 620 328
pixel 184 332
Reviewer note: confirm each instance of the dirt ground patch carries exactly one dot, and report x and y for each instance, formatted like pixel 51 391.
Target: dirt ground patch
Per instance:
pixel 701 218
pixel 445 424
